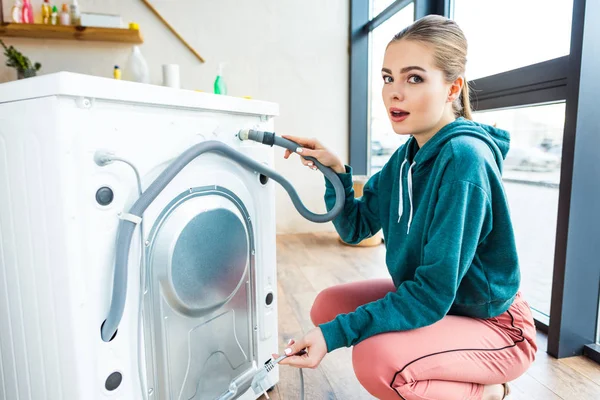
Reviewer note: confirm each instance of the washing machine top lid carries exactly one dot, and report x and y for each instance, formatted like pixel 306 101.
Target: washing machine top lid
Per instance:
pixel 72 84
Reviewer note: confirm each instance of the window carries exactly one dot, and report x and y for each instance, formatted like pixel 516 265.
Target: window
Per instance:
pixel 598 324
pixel 536 135
pixel 531 179
pixel 383 139
pixel 377 6
pixel 503 34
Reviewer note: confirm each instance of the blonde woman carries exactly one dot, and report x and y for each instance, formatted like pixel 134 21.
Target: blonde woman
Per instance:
pixel 451 322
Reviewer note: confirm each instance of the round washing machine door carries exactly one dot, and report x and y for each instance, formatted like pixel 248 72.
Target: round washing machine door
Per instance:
pixel 204 244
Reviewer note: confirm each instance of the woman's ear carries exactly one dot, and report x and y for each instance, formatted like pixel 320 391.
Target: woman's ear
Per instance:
pixel 456 88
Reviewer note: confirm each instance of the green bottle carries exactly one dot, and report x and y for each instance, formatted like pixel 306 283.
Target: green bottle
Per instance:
pixel 220 86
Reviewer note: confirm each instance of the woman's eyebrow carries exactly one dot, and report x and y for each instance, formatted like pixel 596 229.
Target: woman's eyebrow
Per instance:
pixel 406 69
pixel 403 70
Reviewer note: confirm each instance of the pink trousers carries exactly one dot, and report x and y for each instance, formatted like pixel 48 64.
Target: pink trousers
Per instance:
pixel 449 360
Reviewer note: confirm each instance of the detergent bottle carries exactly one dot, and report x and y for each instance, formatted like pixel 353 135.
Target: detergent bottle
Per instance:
pixel 136 69
pixel 220 86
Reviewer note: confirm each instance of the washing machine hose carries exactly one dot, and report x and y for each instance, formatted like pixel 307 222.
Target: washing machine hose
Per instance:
pixel 129 220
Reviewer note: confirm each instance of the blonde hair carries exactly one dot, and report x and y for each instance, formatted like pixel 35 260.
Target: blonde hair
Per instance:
pixel 449 52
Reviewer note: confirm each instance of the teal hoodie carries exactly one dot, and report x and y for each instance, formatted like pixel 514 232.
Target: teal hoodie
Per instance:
pixel 450 246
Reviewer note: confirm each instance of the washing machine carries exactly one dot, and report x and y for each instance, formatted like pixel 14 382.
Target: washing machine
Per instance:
pixel 200 306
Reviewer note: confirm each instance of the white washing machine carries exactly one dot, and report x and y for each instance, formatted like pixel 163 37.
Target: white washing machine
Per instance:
pixel 206 318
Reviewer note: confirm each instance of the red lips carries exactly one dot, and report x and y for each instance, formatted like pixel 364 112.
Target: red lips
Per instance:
pixel 398 114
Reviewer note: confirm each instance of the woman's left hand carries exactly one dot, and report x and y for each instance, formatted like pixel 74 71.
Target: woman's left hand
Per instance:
pixel 314 344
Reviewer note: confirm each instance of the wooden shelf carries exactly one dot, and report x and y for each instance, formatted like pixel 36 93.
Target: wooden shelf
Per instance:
pixel 40 31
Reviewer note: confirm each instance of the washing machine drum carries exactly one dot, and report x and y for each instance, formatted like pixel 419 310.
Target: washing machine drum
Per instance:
pixel 209 259
pixel 201 290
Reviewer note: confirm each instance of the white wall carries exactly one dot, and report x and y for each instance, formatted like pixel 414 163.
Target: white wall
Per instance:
pixel 287 51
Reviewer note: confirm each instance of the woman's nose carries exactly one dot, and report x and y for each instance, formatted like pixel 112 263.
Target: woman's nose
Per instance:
pixel 396 93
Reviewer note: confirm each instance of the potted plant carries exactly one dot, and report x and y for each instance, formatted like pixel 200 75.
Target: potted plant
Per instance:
pixel 18 61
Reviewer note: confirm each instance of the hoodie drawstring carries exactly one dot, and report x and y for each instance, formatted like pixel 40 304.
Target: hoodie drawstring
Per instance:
pixel 410 216
pixel 401 198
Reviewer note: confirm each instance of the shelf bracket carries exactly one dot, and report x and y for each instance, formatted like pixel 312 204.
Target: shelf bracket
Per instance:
pixel 164 21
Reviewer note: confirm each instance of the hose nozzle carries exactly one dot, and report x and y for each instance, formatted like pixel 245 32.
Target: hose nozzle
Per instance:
pixel 244 134
pixel 267 138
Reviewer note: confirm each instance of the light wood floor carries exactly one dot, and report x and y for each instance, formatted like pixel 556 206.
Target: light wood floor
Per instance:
pixel 308 263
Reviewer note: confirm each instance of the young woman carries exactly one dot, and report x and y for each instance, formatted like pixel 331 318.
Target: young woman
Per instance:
pixel 451 322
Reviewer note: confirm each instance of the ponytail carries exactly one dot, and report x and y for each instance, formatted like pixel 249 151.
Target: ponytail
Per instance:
pixel 465 102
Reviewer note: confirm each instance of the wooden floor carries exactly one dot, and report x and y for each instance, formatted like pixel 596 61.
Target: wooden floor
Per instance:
pixel 309 263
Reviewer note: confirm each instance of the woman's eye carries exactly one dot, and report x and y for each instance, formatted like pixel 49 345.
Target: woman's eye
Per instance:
pixel 415 79
pixel 387 79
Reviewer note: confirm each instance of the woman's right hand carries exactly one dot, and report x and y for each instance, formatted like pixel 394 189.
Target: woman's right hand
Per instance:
pixel 313 148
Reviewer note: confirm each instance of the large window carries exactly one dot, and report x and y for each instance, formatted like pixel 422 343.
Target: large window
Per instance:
pixel 531 179
pixel 384 141
pixel 508 34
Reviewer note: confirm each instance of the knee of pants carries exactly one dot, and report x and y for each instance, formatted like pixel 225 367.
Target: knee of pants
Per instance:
pixel 322 310
pixel 372 369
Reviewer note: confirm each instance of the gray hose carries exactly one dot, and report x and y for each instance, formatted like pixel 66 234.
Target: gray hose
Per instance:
pixel 138 179
pixel 126 227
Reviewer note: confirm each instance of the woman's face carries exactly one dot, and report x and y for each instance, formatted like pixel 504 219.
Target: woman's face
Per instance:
pixel 416 96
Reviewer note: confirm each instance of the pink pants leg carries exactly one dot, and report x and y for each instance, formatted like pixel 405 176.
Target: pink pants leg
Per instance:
pixel 449 360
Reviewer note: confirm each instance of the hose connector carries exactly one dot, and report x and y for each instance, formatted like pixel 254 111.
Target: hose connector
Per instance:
pixel 103 157
pixel 244 134
pixel 267 138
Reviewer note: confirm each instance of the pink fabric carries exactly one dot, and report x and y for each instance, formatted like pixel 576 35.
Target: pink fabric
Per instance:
pixel 449 360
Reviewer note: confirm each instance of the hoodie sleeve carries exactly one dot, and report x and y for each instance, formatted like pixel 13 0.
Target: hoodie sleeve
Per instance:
pixel 462 219
pixel 360 217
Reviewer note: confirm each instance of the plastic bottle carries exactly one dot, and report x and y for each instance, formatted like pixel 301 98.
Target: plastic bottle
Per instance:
pixel 16 12
pixel 65 17
pixel 220 87
pixel 54 16
pixel 117 72
pixel 136 69
pixel 75 13
pixel 27 14
pixel 46 11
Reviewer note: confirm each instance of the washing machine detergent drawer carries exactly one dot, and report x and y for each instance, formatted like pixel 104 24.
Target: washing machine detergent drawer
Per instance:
pixel 200 290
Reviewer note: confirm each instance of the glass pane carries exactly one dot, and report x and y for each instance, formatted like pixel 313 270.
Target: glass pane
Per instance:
pixel 507 34
pixel 598 325
pixel 531 180
pixel 377 6
pixel 383 139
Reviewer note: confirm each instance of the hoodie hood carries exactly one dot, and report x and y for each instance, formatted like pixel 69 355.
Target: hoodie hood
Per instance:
pixel 497 139
pixel 415 159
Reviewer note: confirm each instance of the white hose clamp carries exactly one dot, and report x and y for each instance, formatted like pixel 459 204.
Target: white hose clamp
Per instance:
pixel 130 217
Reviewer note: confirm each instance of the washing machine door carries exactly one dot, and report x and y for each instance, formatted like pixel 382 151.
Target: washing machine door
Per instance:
pixel 199 304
